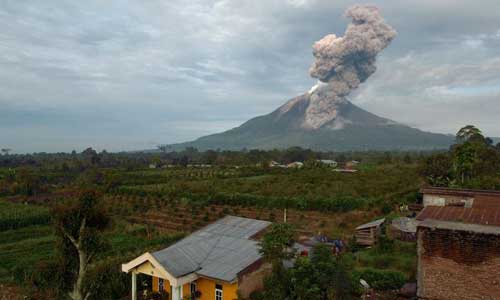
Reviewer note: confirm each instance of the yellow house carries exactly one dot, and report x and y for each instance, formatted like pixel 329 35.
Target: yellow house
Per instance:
pixel 219 262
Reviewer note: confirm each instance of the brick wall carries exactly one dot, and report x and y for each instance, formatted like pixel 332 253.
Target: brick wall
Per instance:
pixel 252 279
pixel 458 265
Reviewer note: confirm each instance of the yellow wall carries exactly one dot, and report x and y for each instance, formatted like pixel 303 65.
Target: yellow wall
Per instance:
pixel 205 286
pixel 166 286
pixel 207 289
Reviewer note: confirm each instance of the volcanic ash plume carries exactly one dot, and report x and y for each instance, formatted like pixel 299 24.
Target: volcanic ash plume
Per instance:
pixel 342 63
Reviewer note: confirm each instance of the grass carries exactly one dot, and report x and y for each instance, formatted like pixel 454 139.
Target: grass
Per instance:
pixel 402 257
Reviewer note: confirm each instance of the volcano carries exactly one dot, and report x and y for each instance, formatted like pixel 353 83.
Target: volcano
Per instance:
pixel 338 126
pixel 324 118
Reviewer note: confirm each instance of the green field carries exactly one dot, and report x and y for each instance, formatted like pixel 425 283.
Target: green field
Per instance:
pixel 24 248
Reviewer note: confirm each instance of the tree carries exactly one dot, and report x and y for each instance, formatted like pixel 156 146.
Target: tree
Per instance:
pixel 79 225
pixel 437 169
pixel 91 156
pixel 163 148
pixel 467 133
pixel 275 245
pixel 275 248
pixel 6 151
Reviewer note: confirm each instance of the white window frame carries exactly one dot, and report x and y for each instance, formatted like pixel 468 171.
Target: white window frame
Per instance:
pixel 219 294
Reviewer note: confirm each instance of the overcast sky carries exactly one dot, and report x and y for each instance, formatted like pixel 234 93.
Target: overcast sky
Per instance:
pixel 124 75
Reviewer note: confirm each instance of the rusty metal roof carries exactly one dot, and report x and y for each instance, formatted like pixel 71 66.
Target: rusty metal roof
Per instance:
pixel 460 226
pixel 474 215
pixel 459 192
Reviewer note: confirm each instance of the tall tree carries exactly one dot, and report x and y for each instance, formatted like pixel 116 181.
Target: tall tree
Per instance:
pixel 276 248
pixel 467 133
pixel 79 225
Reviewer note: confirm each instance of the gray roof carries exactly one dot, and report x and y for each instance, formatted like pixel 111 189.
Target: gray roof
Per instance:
pixel 375 223
pixel 220 250
pixel 405 224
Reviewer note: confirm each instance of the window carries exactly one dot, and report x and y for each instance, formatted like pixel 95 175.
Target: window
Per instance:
pixel 218 292
pixel 160 285
pixel 193 290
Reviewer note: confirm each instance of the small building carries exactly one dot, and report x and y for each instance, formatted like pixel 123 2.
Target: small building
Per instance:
pixel 458 244
pixel 368 234
pixel 458 261
pixel 328 162
pixel 404 229
pixel 273 163
pixel 437 196
pixel 221 261
pixel 295 165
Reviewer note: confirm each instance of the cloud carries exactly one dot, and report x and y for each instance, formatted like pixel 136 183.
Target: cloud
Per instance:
pixel 108 72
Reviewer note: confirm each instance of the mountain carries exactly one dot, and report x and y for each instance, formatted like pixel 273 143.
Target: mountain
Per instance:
pixel 333 124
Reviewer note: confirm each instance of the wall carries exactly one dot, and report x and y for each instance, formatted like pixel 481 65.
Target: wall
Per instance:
pixel 253 279
pixel 458 265
pixel 205 286
pixel 207 289
pixel 443 200
pixel 166 286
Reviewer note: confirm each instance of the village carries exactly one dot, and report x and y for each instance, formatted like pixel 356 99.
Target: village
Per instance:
pixel 456 233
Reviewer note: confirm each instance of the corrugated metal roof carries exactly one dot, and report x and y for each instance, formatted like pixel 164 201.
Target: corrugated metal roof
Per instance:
pixel 483 216
pixel 371 224
pixel 460 226
pixel 405 224
pixel 220 250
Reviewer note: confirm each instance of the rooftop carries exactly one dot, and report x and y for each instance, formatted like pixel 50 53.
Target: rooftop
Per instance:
pixel 220 250
pixel 375 223
pixel 459 192
pixel 432 224
pixel 474 215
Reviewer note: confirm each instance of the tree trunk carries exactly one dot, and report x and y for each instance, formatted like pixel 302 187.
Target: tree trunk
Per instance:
pixel 77 292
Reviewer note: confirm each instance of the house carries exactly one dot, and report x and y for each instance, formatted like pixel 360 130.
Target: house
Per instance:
pixel 328 162
pixel 219 262
pixel 351 164
pixel 296 165
pixel 458 244
pixel 367 234
pixel 404 229
pixel 460 197
pixel 273 163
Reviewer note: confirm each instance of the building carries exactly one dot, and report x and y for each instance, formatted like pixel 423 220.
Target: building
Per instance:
pixel 221 262
pixel 368 234
pixel 460 197
pixel 458 245
pixel 404 229
pixel 295 165
pixel 328 162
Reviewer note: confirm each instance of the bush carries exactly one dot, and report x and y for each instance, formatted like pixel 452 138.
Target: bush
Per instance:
pixel 381 280
pixel 256 295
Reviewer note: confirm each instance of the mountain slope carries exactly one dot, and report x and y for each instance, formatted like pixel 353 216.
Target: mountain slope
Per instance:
pixel 350 128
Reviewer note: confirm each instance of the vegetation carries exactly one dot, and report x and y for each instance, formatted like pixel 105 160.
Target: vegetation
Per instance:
pixel 152 199
pixel 473 162
pixel 14 215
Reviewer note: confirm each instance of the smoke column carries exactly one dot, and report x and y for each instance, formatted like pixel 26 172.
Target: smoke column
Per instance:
pixel 343 63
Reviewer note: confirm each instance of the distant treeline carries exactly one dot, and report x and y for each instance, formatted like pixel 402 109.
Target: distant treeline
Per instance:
pixel 136 160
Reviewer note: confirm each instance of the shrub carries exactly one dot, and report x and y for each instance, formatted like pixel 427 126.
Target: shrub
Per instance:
pixel 381 280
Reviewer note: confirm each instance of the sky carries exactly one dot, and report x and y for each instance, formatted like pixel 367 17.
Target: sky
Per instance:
pixel 129 75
